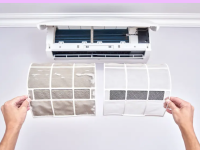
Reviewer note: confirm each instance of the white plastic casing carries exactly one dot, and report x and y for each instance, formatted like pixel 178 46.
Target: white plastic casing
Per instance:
pixel 87 23
pixel 131 46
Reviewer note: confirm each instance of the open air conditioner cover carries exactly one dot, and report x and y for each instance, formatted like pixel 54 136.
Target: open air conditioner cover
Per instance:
pixel 99 21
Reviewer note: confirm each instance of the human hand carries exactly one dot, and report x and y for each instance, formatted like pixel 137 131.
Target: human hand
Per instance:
pixel 14 111
pixel 181 110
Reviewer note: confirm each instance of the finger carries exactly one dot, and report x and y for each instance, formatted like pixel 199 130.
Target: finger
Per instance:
pixel 19 103
pixel 169 111
pixel 165 105
pixel 19 99
pixel 177 101
pixel 25 104
pixel 2 109
pixel 171 105
pixel 167 98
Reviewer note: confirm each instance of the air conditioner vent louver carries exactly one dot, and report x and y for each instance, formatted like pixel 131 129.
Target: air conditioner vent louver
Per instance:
pixel 135 54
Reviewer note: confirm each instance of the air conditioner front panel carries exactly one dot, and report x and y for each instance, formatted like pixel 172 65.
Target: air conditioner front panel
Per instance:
pixel 102 47
pixel 98 21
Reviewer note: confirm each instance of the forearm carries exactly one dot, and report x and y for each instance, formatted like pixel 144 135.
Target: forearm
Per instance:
pixel 10 138
pixel 14 113
pixel 189 137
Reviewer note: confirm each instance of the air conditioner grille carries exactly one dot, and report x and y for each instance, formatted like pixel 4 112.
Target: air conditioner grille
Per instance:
pixel 111 35
pixel 84 35
pixel 72 36
pixel 135 54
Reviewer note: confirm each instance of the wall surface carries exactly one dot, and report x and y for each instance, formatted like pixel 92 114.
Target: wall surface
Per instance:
pixel 178 47
pixel 100 7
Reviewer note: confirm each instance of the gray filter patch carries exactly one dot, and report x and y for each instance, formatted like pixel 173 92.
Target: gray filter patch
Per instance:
pixel 82 94
pixel 156 95
pixel 117 95
pixel 137 95
pixel 63 107
pixel 85 107
pixel 61 77
pixel 41 94
pixel 39 78
pixel 41 108
pixel 84 77
pixel 62 94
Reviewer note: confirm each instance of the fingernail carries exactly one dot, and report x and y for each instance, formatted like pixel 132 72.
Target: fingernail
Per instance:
pixel 168 101
pixel 28 99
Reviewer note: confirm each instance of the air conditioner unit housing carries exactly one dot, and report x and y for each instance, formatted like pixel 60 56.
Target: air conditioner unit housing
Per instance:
pixel 98 40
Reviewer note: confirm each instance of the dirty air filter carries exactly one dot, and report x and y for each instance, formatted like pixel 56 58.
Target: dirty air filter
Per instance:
pixel 136 89
pixel 61 90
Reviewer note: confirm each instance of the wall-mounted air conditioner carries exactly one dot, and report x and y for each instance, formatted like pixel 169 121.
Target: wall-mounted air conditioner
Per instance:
pixel 103 39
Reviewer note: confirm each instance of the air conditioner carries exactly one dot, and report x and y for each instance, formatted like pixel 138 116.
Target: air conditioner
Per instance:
pixel 98 39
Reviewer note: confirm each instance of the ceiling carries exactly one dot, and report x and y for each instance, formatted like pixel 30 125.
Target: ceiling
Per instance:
pixel 95 7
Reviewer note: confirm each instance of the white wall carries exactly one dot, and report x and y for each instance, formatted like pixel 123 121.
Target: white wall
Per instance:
pixel 179 47
pixel 100 7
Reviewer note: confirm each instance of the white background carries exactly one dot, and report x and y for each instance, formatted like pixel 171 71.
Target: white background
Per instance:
pixel 178 47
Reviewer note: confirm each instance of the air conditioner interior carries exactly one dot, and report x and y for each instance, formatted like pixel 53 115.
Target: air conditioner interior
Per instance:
pixel 84 35
pixel 101 37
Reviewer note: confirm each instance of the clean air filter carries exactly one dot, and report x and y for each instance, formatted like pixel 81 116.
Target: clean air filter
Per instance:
pixel 136 89
pixel 62 89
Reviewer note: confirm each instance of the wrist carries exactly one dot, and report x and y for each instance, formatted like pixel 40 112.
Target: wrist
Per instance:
pixel 13 127
pixel 186 128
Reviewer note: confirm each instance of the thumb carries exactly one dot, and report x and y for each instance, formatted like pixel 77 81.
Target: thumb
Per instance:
pixel 25 104
pixel 171 104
